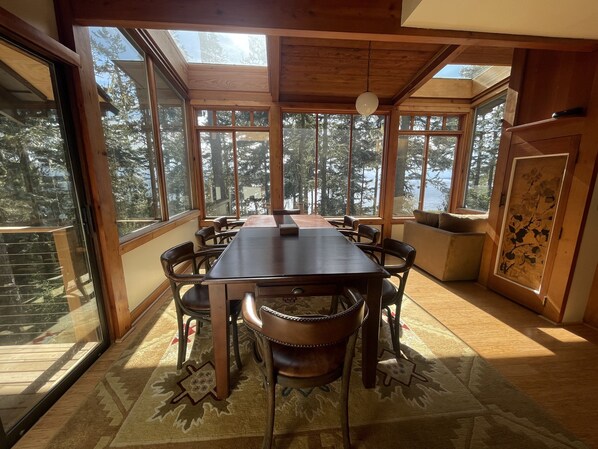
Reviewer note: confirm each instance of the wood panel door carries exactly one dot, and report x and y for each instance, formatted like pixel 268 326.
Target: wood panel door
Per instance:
pixel 533 199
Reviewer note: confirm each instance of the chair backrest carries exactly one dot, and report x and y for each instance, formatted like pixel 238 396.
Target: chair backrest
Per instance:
pixel 184 252
pixel 399 249
pixel 220 224
pixel 286 211
pixel 314 331
pixel 206 237
pixel 351 222
pixel 175 256
pixel 368 232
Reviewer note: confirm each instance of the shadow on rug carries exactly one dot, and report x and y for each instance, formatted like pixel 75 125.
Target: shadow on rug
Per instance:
pixel 440 394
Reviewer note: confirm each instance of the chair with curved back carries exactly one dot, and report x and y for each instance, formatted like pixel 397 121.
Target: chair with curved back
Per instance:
pixel 194 302
pixel 286 211
pixel 348 222
pixel 305 351
pixel 223 224
pixel 207 238
pixel 364 234
pixel 397 258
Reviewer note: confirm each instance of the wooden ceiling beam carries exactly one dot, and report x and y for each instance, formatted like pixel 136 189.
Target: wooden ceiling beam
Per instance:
pixel 376 20
pixel 443 57
pixel 273 44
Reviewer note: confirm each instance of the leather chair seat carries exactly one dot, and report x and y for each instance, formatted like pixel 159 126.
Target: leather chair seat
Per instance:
pixel 389 290
pixel 197 298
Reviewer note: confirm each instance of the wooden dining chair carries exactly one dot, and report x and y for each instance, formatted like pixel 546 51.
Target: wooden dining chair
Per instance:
pixel 207 238
pixel 195 301
pixel 286 211
pixel 397 258
pixel 363 234
pixel 305 351
pixel 223 224
pixel 348 222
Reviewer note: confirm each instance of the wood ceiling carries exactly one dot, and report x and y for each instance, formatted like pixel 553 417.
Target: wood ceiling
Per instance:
pixel 318 51
pixel 335 71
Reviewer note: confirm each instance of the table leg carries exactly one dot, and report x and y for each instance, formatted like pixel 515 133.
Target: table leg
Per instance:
pixel 369 333
pixel 219 311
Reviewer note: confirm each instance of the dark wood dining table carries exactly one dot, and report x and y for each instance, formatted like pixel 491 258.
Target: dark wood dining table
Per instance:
pixel 319 260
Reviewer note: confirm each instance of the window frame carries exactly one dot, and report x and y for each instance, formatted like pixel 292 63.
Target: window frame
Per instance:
pixel 233 129
pixel 383 162
pixel 459 133
pixel 153 61
pixel 491 102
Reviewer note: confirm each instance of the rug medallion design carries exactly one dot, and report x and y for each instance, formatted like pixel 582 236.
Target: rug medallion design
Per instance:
pixel 439 394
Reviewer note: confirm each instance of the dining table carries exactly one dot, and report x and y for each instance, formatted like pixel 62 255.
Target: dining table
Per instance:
pixel 317 260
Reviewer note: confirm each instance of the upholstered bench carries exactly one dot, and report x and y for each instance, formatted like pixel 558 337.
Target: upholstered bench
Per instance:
pixel 449 246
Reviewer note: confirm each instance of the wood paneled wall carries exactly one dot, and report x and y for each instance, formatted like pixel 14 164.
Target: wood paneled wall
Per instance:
pixel 543 82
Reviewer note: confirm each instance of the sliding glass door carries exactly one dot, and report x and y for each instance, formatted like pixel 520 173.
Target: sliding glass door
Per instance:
pixel 51 325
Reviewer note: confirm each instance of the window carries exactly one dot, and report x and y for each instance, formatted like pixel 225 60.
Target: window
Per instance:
pixel 51 325
pixel 332 163
pixel 141 196
pixel 173 139
pixel 484 152
pixel 200 47
pixel 235 157
pixel 425 158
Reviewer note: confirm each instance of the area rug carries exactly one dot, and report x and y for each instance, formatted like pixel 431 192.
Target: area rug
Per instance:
pixel 438 394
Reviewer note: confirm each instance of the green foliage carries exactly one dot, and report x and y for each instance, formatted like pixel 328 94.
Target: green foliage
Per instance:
pixel 348 171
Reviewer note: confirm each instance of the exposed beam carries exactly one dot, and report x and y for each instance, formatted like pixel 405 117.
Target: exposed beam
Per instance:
pixel 16 28
pixel 375 20
pixel 273 44
pixel 444 56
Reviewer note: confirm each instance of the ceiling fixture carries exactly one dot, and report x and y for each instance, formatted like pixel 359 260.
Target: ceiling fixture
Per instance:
pixel 367 103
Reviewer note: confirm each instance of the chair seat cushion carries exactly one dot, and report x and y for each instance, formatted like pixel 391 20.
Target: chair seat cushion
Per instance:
pixel 389 290
pixel 197 299
pixel 307 362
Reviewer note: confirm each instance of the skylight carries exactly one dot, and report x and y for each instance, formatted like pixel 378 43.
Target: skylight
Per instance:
pixel 459 71
pixel 222 48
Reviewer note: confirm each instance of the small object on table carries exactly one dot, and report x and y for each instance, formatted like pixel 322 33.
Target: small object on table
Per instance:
pixel 288 229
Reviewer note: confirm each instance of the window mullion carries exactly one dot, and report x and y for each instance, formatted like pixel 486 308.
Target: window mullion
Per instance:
pixel 349 166
pixel 315 193
pixel 153 103
pixel 236 175
pixel 422 190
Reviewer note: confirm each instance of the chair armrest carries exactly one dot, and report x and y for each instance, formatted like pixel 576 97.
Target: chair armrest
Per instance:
pixel 236 223
pixel 374 252
pixel 350 234
pixel 250 315
pixel 396 269
pixel 186 279
pixel 336 223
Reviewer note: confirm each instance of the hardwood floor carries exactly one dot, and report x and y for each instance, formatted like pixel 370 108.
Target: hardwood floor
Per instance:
pixel 557 366
pixel 28 372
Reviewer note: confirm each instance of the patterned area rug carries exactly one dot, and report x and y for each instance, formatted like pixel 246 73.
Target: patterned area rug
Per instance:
pixel 440 394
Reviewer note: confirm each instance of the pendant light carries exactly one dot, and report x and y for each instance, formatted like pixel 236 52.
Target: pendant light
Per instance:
pixel 367 103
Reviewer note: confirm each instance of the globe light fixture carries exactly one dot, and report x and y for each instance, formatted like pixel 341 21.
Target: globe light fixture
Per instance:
pixel 367 103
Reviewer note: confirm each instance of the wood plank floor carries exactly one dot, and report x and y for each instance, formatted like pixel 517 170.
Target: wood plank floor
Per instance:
pixel 554 365
pixel 28 372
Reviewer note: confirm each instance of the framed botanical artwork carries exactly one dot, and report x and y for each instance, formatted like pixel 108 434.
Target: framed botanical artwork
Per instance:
pixel 531 207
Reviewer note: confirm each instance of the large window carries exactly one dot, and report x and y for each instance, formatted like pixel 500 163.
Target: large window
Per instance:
pixel 332 163
pixel 425 159
pixel 235 158
pixel 143 192
pixel 484 151
pixel 50 320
